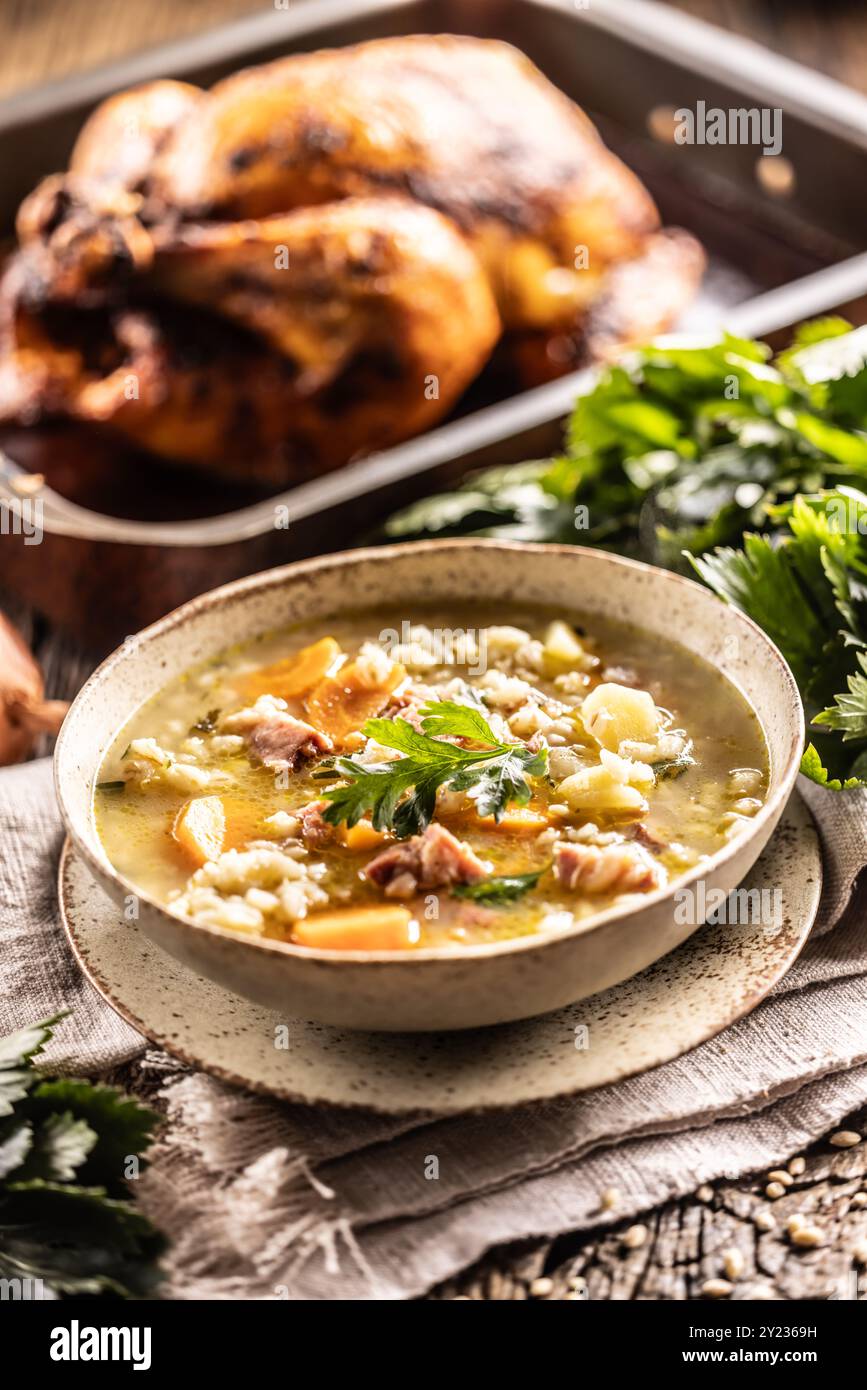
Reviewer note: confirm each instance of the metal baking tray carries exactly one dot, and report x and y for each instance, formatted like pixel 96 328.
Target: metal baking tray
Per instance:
pixel 112 559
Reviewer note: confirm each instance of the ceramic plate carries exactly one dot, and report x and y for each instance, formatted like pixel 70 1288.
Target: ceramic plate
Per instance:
pixel 719 973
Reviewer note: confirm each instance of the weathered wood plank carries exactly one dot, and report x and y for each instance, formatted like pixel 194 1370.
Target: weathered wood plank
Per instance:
pixel 687 1244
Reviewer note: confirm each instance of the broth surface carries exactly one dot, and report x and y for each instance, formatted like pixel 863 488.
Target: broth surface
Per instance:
pixel 638 786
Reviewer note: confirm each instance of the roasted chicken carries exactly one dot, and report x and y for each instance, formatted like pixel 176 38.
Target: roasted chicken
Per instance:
pixel 321 254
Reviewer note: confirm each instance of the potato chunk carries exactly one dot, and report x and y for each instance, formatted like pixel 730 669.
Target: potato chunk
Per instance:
pixel 562 650
pixel 613 713
pixel 594 789
pixel 616 786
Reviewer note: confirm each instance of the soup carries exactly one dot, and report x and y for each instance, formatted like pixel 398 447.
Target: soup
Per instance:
pixel 378 784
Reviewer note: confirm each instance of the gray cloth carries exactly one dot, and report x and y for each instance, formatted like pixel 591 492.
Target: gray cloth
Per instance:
pixel 842 825
pixel 265 1200
pixel 38 972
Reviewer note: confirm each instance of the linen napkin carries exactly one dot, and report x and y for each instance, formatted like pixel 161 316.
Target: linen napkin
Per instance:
pixel 267 1200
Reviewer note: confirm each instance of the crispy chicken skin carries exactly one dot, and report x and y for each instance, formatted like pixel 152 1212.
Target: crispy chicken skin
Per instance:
pixel 226 407
pixel 635 300
pixel 322 286
pixel 315 258
pixel 119 142
pixel 469 127
pixel 81 241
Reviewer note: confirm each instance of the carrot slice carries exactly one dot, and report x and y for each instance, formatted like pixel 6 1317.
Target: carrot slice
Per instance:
pixel 295 674
pixel 243 821
pixel 362 836
pixel 386 928
pixel 200 828
pixel 339 705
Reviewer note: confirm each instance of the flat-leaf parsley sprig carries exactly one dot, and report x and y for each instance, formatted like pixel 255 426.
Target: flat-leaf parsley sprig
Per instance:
pixel 67 1225
pixel 400 795
pixel 501 888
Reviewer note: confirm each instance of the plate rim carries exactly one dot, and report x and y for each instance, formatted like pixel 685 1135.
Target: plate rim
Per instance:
pixel 71 856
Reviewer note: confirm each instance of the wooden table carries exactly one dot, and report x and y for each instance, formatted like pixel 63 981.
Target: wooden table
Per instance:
pixel 683 1244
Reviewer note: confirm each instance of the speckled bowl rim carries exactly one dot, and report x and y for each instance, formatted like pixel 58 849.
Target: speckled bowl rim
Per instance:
pixel 278 578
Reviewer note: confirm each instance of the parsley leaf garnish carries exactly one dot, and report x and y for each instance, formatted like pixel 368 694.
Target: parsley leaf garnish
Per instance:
pixel 502 888
pixel 400 795
pixel 447 719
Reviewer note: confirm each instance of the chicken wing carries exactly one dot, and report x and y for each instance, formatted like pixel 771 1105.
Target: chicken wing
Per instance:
pixel 120 140
pixel 84 230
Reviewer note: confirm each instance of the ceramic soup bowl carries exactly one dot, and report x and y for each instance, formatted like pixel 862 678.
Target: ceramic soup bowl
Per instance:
pixel 437 988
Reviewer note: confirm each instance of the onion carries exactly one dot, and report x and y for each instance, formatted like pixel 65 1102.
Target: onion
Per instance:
pixel 24 711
